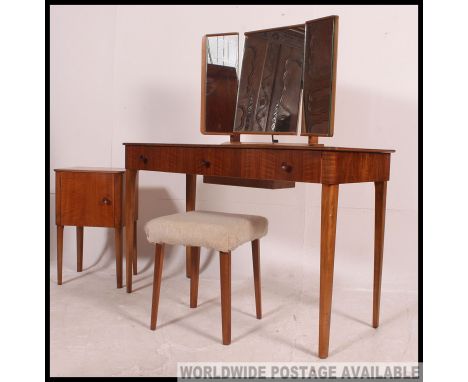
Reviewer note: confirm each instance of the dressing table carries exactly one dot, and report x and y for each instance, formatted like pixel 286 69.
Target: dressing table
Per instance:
pixel 288 77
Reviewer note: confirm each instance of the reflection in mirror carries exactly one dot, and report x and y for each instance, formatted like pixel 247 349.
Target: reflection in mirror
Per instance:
pixel 219 83
pixel 223 50
pixel 270 84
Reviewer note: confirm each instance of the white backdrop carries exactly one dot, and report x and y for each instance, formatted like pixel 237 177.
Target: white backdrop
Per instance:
pixel 132 74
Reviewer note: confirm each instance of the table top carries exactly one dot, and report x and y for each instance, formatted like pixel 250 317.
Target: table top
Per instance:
pixel 256 145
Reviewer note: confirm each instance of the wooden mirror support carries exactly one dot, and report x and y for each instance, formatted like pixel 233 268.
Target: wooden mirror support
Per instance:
pixel 234 138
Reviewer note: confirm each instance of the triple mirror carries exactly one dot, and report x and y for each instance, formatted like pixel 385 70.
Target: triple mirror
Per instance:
pixel 288 76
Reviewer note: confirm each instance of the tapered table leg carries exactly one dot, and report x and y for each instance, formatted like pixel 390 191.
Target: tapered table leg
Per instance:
pixel 130 217
pixel 190 196
pixel 134 250
pixel 380 205
pixel 327 257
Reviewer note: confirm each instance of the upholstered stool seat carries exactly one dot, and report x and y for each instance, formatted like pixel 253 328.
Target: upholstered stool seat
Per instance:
pixel 222 232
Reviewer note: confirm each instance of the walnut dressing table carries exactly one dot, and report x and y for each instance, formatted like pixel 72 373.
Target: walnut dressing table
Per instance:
pixel 269 166
pixel 287 79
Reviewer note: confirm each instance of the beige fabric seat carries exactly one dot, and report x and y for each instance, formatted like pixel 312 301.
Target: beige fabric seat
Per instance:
pixel 220 231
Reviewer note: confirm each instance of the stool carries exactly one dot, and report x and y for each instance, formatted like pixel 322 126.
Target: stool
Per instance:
pixel 222 232
pixel 89 197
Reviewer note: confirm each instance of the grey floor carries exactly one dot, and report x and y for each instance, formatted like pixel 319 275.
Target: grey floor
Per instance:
pixel 98 330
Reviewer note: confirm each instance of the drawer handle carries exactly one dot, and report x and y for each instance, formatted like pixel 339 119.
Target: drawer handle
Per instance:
pixel 143 159
pixel 106 201
pixel 205 163
pixel 286 167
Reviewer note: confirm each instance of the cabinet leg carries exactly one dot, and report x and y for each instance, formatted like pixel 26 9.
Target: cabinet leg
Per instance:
pixel 79 249
pixel 118 255
pixel 59 253
pixel 380 205
pixel 327 257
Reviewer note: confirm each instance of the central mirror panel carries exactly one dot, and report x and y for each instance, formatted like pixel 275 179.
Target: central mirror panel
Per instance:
pixel 270 86
pixel 219 82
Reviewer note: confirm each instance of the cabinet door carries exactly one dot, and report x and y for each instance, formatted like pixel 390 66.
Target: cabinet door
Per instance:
pixel 87 199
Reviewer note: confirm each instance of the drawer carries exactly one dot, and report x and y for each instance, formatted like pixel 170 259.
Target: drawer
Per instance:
pixel 272 164
pixel 187 160
pixel 89 199
pixel 223 160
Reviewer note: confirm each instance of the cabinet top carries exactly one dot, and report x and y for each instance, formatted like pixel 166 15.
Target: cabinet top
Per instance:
pixel 106 170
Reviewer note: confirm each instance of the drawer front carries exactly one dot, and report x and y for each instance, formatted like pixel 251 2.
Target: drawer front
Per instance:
pixel 87 199
pixel 185 160
pixel 258 163
pixel 274 164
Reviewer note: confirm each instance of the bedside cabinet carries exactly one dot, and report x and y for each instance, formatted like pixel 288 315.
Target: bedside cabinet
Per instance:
pixel 89 197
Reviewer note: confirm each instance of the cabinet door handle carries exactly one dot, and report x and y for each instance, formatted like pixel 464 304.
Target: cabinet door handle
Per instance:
pixel 143 159
pixel 106 201
pixel 205 163
pixel 286 167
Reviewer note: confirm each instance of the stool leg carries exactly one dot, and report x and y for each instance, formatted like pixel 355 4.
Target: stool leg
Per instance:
pixel 225 278
pixel 188 261
pixel 256 271
pixel 134 250
pixel 59 253
pixel 195 269
pixel 118 255
pixel 79 249
pixel 158 265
